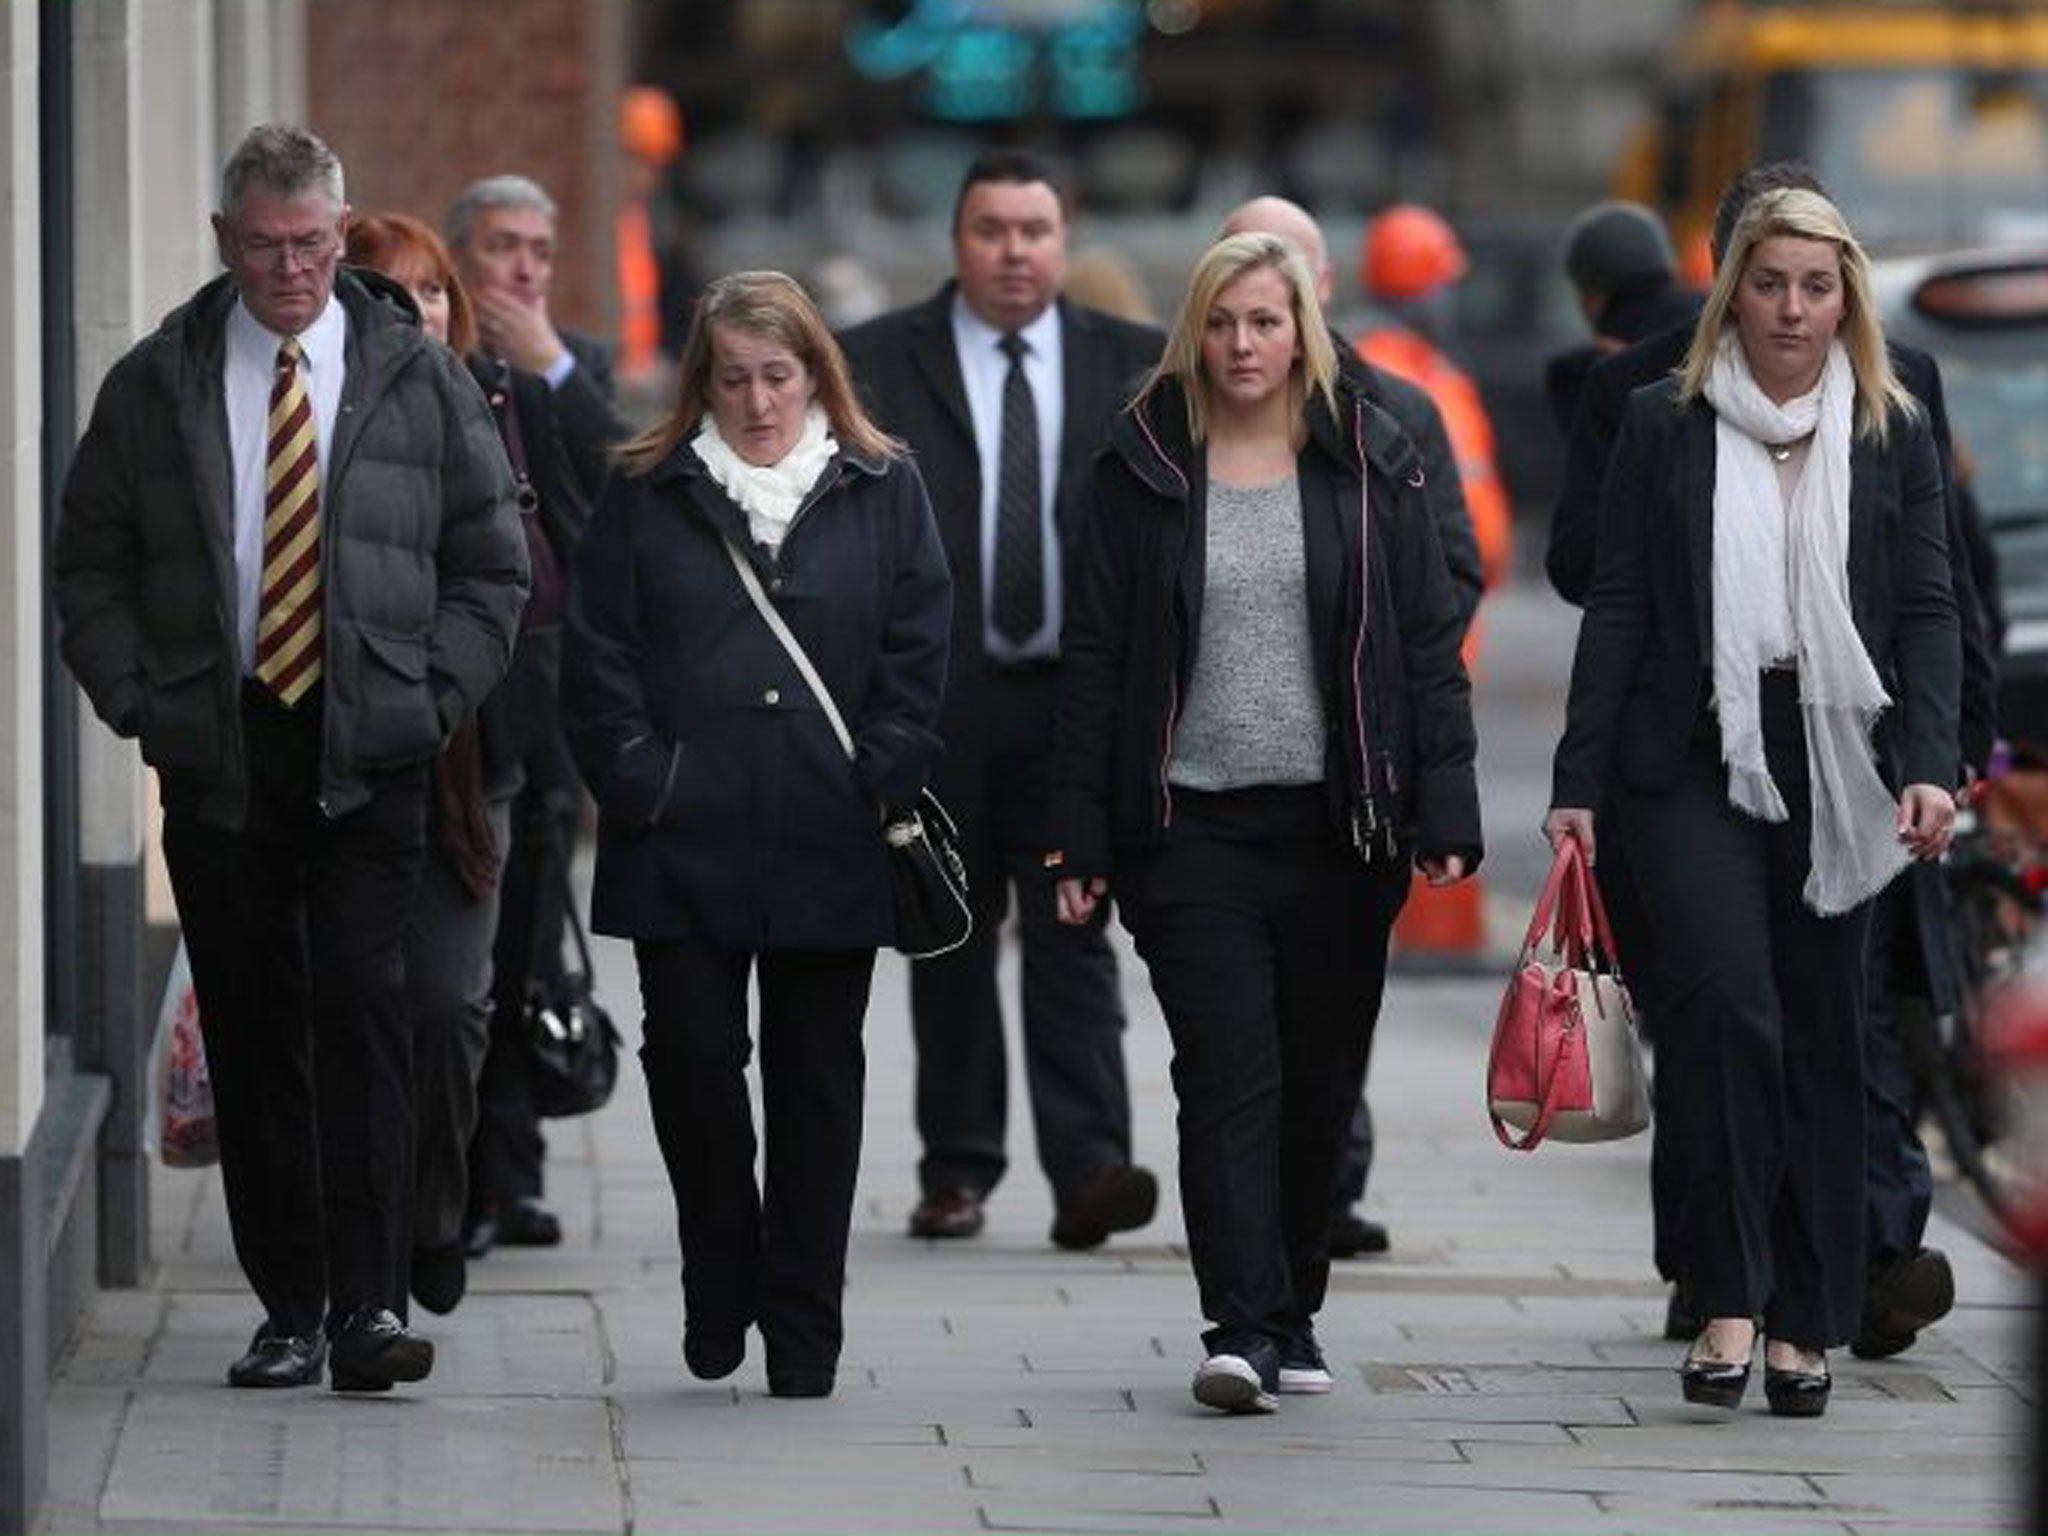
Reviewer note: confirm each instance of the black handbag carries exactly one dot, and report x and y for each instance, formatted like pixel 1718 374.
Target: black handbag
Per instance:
pixel 573 1045
pixel 927 876
pixel 927 880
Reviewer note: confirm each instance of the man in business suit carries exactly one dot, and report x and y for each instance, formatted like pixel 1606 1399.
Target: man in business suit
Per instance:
pixel 1005 391
pixel 1911 1285
pixel 501 233
pixel 289 564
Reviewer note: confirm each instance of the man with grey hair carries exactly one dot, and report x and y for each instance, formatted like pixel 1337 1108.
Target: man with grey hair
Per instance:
pixel 501 232
pixel 1351 1233
pixel 289 563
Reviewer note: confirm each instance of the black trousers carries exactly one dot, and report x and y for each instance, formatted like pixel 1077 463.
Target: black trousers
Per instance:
pixel 1899 1181
pixel 1073 1014
pixel 448 996
pixel 1266 937
pixel 772 1253
pixel 1760 1041
pixel 507 1152
pixel 295 925
pixel 1635 935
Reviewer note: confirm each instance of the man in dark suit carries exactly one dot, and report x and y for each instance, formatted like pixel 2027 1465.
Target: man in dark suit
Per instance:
pixel 1005 391
pixel 501 233
pixel 289 564
pixel 1911 1285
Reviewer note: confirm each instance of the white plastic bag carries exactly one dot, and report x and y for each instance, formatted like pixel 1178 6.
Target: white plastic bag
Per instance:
pixel 180 1120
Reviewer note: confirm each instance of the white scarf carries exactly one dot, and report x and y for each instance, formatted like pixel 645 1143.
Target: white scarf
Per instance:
pixel 1781 588
pixel 769 493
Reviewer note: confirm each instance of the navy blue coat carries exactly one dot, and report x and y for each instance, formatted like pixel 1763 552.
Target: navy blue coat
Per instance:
pixel 728 812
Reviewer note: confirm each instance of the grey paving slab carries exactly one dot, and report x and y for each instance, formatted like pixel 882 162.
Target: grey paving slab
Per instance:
pixel 218 1459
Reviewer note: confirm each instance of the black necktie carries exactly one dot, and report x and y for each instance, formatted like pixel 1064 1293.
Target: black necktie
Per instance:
pixel 1020 540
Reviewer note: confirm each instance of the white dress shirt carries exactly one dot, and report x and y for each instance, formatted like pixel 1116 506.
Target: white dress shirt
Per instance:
pixel 248 370
pixel 983 368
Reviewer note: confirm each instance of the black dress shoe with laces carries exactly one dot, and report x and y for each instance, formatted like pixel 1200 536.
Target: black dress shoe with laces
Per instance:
pixel 371 1349
pixel 280 1360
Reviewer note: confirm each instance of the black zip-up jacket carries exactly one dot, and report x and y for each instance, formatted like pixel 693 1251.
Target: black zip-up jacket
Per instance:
pixel 1401 744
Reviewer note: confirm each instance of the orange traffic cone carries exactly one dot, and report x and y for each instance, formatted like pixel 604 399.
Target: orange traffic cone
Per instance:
pixel 1443 921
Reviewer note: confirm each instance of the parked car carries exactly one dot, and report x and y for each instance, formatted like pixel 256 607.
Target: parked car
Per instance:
pixel 1984 316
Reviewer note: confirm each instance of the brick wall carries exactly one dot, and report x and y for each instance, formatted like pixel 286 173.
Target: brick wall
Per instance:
pixel 421 97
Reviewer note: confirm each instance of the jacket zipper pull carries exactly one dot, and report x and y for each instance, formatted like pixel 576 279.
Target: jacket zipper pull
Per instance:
pixel 1365 823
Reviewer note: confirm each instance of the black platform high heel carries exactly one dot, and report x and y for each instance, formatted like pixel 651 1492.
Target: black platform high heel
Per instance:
pixel 1796 1394
pixel 1713 1383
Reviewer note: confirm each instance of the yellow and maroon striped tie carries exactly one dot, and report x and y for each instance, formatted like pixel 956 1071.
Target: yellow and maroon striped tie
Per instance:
pixel 288 611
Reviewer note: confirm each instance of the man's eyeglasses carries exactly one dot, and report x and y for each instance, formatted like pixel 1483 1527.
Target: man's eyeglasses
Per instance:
pixel 298 251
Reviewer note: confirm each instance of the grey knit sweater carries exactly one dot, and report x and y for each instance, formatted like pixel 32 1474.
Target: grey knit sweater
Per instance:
pixel 1253 714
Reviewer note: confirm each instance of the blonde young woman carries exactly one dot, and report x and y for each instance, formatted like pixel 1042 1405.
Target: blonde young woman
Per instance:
pixel 1263 726
pixel 735 839
pixel 1769 670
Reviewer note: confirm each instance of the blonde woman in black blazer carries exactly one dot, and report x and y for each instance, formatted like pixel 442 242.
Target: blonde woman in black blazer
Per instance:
pixel 1769 671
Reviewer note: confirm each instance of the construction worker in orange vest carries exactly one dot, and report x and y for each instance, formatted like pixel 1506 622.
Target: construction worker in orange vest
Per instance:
pixel 653 309
pixel 1410 261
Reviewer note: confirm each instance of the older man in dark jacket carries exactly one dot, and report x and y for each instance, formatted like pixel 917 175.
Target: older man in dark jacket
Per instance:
pixel 289 562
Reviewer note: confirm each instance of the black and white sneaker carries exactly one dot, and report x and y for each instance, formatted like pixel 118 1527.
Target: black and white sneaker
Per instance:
pixel 1231 1383
pixel 1301 1366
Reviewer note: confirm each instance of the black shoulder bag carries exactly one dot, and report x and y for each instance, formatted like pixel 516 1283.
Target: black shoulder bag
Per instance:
pixel 574 1048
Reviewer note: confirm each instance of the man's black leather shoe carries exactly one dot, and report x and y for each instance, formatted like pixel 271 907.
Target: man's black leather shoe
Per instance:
pixel 713 1352
pixel 280 1360
pixel 440 1276
pixel 1116 1198
pixel 526 1223
pixel 1903 1297
pixel 372 1349
pixel 947 1213
pixel 1352 1236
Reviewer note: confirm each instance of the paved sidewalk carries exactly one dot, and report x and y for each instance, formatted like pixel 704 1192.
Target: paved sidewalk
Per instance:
pixel 1500 1371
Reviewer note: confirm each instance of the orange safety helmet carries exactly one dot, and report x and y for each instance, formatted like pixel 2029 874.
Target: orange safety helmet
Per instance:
pixel 650 124
pixel 1409 250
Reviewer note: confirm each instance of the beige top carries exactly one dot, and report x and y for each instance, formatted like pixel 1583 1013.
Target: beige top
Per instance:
pixel 1788 471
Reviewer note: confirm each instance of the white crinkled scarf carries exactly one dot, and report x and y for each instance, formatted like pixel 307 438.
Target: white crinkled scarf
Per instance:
pixel 1781 588
pixel 769 493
